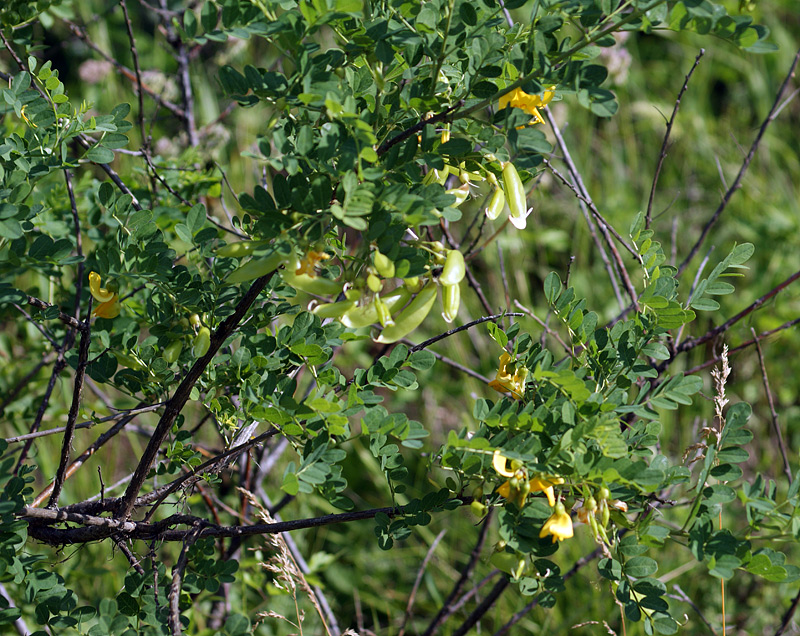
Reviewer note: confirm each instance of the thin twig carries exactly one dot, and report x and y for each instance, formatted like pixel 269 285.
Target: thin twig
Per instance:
pixel 85 424
pixel 663 153
pixel 65 318
pixel 773 413
pixel 484 607
pixel 174 593
pixel 447 608
pixel 787 617
pixel 426 343
pixel 137 70
pixel 680 595
pixel 412 597
pixel 708 363
pixel 773 113
pixel 691 343
pixel 590 224
pixel 452 363
pixel 80 32
pixel 444 116
pixel 72 416
pixel 39 327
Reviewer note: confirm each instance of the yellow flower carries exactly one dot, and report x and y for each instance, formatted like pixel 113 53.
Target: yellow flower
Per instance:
pixel 529 103
pixel 108 309
pixel 504 381
pixel 309 262
pixel 109 301
pixel 559 525
pixel 545 485
pixel 518 486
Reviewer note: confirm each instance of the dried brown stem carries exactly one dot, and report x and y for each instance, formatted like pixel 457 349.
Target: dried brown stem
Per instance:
pixel 691 343
pixel 412 597
pixel 484 607
pixel 447 608
pixel 663 153
pixel 174 594
pixel 773 413
pixel 72 416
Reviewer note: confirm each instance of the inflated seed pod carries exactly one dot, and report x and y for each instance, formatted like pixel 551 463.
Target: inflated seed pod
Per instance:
pixel 172 351
pixel 366 315
pixel 515 196
pixel 411 317
pixel 454 268
pixel 310 284
pixel 374 283
pixel 333 310
pixel 239 249
pixel 451 299
pixel 460 194
pixel 256 268
pixel 496 204
pixel 384 315
pixel 202 341
pixel 383 264
pixel 128 361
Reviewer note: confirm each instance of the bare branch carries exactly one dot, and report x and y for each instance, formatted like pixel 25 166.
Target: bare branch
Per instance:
pixel 448 607
pixel 774 414
pixel 72 416
pixel 663 153
pixel 412 597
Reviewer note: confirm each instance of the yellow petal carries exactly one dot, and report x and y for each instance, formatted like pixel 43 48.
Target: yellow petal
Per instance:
pixel 108 309
pixel 505 490
pixel 101 294
pixel 499 463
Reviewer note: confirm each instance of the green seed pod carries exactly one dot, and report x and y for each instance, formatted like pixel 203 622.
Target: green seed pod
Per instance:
pixel 374 283
pixel 310 284
pixel 128 361
pixel 454 268
pixel 367 315
pixel 411 317
pixel 515 195
pixel 451 299
pixel 256 268
pixel 460 194
pixel 333 310
pixel 383 264
pixel 202 341
pixel 496 205
pixel 413 284
pixel 172 351
pixel 240 249
pixel 384 316
pixel 478 509
pixel 194 321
